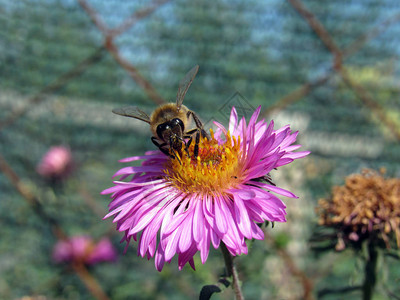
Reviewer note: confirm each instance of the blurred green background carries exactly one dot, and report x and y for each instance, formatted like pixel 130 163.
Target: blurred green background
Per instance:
pixel 62 70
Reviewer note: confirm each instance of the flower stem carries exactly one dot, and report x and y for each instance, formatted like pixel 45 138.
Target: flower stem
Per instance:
pixel 231 271
pixel 370 272
pixel 90 282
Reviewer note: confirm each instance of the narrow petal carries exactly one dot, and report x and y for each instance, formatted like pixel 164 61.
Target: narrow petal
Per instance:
pixel 254 118
pixel 198 222
pixel 274 189
pixel 242 192
pixel 233 120
pixel 134 158
pixel 241 216
pixel 215 240
pixel 186 238
pixel 159 259
pixel 221 127
pixel 220 220
pixel 205 245
pixel 141 169
pixel 171 244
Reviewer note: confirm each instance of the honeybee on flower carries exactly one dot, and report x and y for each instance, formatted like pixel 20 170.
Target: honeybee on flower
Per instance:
pixel 215 196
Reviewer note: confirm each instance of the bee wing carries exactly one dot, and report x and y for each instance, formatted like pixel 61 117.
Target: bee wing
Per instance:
pixel 185 84
pixel 133 112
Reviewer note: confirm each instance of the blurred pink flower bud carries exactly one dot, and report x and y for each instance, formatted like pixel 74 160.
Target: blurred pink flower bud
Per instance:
pixel 56 163
pixel 83 249
pixel 103 251
pixel 354 236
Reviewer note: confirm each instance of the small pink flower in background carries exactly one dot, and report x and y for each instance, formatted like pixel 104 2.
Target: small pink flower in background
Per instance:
pixel 56 163
pixel 182 206
pixel 85 250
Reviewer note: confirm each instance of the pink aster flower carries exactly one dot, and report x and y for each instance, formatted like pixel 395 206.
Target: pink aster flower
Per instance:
pixel 85 250
pixel 173 206
pixel 56 163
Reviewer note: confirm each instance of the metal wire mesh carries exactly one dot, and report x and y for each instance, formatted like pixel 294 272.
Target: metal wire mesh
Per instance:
pixel 331 70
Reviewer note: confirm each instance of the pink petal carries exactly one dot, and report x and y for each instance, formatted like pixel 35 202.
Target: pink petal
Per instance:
pixel 159 259
pixel 233 120
pixel 141 169
pixel 186 238
pixel 171 245
pixel 198 221
pixel 242 218
pixel 219 205
pixel 134 158
pixel 274 189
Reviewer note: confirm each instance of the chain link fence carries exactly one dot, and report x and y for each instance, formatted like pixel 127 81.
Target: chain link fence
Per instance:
pixel 331 70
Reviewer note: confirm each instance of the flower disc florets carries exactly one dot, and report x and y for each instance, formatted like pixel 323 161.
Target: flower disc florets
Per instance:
pixel 215 168
pixel 182 205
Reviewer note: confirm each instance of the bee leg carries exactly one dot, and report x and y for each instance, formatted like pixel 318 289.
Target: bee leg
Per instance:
pixel 195 118
pixel 175 152
pixel 190 132
pixel 199 125
pixel 162 147
pixel 175 156
pixel 187 144
pixel 197 141
pixel 166 151
pixel 189 135
pixel 189 141
pixel 196 145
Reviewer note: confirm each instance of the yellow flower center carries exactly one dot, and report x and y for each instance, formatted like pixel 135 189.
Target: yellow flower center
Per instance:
pixel 215 169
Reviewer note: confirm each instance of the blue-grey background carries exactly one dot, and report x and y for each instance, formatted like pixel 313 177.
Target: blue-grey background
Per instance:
pixel 56 68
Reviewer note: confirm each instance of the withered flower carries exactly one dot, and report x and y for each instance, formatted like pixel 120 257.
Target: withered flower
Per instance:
pixel 367 207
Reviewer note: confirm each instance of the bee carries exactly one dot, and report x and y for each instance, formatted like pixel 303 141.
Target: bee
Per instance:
pixel 169 122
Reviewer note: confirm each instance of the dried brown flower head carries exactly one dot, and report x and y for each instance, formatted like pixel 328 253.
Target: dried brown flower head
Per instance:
pixel 366 207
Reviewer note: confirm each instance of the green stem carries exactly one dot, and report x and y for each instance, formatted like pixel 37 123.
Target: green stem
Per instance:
pixel 231 271
pixel 370 272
